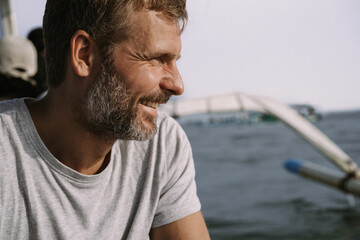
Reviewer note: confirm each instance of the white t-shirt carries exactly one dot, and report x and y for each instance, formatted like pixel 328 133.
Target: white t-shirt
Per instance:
pixel 146 184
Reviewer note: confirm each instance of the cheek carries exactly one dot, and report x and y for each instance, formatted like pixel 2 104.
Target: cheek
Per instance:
pixel 144 79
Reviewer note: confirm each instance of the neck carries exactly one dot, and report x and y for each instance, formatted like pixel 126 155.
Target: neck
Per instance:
pixel 56 122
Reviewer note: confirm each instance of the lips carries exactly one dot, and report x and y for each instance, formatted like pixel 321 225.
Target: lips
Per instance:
pixel 154 100
pixel 151 104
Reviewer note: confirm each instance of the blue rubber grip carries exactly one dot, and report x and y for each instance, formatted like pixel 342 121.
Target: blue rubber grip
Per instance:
pixel 293 165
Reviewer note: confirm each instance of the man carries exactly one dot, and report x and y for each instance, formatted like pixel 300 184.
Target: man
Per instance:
pixel 94 159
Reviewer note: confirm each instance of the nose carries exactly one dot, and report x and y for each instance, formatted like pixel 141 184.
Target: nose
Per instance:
pixel 173 81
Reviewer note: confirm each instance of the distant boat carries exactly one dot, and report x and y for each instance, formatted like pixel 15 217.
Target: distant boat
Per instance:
pixel 307 111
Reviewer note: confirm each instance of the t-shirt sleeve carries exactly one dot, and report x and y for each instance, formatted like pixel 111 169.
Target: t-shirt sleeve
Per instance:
pixel 178 197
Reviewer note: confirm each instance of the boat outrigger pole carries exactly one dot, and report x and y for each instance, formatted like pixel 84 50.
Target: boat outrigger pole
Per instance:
pixel 8 18
pixel 346 183
pixel 311 134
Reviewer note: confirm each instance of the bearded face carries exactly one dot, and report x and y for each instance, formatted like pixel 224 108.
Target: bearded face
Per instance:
pixel 139 74
pixel 113 108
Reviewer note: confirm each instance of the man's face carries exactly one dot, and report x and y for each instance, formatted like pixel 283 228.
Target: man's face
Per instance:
pixel 140 75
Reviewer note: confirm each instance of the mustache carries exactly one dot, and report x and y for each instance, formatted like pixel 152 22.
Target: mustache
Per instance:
pixel 161 97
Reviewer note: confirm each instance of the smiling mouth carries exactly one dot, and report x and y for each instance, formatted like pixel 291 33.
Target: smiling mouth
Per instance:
pixel 151 104
pixel 155 100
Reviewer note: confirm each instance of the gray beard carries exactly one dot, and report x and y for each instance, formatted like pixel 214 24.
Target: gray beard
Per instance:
pixel 112 110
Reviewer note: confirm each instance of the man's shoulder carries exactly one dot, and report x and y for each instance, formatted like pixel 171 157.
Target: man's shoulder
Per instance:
pixel 8 129
pixel 6 105
pixel 168 124
pixel 9 106
pixel 12 115
pixel 165 118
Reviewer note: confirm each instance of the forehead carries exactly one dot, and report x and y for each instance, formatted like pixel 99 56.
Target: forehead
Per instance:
pixel 153 29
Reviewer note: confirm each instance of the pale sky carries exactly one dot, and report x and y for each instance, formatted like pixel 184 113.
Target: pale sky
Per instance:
pixel 295 51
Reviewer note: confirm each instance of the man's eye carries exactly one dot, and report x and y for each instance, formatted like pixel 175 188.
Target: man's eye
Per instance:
pixel 157 60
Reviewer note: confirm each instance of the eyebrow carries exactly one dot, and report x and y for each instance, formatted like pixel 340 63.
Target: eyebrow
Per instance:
pixel 165 55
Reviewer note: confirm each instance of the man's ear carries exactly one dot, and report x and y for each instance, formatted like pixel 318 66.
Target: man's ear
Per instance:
pixel 83 52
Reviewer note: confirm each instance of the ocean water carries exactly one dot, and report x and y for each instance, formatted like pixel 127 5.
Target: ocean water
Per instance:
pixel 247 194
